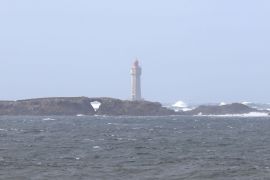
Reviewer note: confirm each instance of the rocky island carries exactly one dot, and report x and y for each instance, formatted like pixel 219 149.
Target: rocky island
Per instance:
pixel 82 106
pixel 228 109
pixel 72 106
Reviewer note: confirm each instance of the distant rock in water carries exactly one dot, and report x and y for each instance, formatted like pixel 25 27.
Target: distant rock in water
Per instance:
pixel 116 107
pixel 235 108
pixel 82 106
pixel 48 106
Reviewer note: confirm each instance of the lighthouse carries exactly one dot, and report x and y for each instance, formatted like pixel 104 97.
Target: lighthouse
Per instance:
pixel 136 72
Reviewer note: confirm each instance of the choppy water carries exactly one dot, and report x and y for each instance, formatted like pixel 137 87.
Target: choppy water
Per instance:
pixel 165 148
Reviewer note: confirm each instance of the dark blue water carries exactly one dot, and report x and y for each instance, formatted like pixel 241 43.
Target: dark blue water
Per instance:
pixel 165 148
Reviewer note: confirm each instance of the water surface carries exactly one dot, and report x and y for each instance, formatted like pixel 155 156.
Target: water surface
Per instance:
pixel 121 148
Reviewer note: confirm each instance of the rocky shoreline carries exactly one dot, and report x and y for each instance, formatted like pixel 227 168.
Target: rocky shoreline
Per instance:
pixel 71 106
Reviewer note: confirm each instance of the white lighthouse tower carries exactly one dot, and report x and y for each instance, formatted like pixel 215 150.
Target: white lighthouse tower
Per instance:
pixel 136 72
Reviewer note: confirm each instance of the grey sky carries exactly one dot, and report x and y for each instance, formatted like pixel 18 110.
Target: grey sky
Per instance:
pixel 192 50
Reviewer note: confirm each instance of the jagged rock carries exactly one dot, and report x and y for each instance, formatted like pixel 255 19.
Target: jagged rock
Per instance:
pixel 48 106
pixel 235 108
pixel 117 107
pixel 82 105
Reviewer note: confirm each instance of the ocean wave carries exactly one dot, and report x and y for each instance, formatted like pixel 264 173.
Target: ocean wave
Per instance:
pixel 251 114
pixel 180 104
pixel 247 103
pixel 222 104
pixel 48 119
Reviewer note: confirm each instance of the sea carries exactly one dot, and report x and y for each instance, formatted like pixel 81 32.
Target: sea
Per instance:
pixel 134 148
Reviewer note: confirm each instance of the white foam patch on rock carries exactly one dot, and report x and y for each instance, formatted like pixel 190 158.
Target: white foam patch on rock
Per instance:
pixel 96 105
pixel 246 103
pixel 186 109
pixel 222 104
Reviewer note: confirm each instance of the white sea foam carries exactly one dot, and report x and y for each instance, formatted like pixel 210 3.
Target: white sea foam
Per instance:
pixel 186 109
pixel 222 104
pixel 246 103
pixel 48 119
pixel 180 104
pixel 251 114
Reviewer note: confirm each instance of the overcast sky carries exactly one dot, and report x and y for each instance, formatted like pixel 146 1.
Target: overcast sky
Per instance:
pixel 191 50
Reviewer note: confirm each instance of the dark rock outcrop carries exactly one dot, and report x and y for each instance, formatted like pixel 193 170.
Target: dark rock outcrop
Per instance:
pixel 116 107
pixel 82 105
pixel 48 106
pixel 235 108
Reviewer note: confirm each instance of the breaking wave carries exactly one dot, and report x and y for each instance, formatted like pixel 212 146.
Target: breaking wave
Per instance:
pixel 251 114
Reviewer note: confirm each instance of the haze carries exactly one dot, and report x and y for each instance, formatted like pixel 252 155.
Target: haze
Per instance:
pixel 191 50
